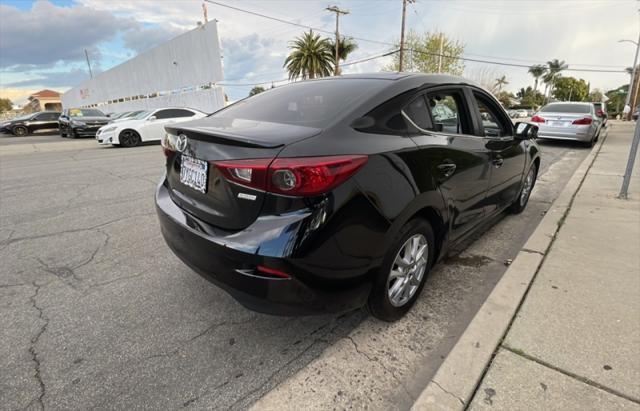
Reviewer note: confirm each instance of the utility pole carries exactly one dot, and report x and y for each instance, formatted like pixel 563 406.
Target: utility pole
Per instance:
pixel 633 75
pixel 440 54
pixel 404 14
pixel 86 54
pixel 335 9
pixel 205 14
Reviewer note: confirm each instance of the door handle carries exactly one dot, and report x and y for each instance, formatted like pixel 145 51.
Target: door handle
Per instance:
pixel 447 169
pixel 497 162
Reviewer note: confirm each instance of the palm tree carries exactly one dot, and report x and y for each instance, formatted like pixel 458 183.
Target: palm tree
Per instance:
pixel 555 68
pixel 346 46
pixel 537 71
pixel 502 81
pixel 310 57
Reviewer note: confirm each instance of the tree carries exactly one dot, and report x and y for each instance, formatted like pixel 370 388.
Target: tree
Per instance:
pixel 505 98
pixel 616 99
pixel 310 57
pixel 5 105
pixel 570 89
pixel 256 90
pixel 530 97
pixel 555 68
pixel 502 81
pixel 596 95
pixel 537 71
pixel 422 53
pixel 346 46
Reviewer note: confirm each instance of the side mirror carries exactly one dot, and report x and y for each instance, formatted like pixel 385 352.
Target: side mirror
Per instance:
pixel 526 131
pixel 152 118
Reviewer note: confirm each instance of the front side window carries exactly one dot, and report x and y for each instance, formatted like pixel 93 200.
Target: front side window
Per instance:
pixel 492 124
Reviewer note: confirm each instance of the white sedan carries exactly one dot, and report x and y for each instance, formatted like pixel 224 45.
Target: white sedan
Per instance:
pixel 146 126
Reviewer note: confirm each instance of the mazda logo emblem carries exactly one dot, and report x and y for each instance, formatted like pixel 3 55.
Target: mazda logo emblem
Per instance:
pixel 181 144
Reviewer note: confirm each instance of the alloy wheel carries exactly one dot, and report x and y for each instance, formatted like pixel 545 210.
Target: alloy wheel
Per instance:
pixel 20 131
pixel 528 185
pixel 407 270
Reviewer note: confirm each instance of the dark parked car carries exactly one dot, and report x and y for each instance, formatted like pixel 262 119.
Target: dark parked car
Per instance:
pixel 33 123
pixel 325 195
pixel 81 122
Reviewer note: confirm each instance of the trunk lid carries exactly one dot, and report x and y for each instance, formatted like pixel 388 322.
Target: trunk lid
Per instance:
pixel 225 204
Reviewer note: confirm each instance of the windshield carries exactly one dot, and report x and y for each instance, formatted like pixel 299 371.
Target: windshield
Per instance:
pixel 84 112
pixel 309 103
pixel 132 114
pixel 142 115
pixel 566 108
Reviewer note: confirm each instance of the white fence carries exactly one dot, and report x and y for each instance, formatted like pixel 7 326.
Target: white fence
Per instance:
pixel 171 74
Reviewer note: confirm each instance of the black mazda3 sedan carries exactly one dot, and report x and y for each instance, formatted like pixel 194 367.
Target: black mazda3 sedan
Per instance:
pixel 329 194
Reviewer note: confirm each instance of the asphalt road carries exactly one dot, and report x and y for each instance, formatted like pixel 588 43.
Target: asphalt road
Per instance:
pixel 96 312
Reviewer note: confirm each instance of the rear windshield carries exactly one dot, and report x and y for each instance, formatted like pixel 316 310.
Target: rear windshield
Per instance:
pixel 310 103
pixel 566 108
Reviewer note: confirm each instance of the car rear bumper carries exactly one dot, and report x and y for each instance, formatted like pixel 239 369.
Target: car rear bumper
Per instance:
pixel 582 134
pixel 219 257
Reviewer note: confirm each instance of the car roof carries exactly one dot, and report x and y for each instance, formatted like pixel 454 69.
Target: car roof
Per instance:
pixel 431 78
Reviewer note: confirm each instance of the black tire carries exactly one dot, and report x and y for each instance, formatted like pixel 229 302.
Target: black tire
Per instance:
pixel 520 204
pixel 591 143
pixel 63 134
pixel 129 138
pixel 71 133
pixel 20 131
pixel 379 303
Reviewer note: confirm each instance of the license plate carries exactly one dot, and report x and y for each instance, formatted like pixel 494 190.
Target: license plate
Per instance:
pixel 193 173
pixel 558 123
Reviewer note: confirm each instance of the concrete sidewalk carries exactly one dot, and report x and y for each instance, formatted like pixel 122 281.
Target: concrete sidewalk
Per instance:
pixel 575 341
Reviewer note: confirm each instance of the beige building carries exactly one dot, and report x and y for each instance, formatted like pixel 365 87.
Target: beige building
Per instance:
pixel 43 100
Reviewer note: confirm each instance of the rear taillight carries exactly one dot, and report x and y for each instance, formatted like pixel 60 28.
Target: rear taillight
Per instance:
pixel 301 176
pixel 168 143
pixel 538 119
pixel 583 121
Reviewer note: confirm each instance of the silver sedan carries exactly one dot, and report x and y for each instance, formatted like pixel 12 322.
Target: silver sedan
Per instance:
pixel 568 121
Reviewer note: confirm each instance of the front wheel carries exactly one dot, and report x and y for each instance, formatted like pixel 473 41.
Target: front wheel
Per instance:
pixel 525 192
pixel 403 272
pixel 20 131
pixel 129 138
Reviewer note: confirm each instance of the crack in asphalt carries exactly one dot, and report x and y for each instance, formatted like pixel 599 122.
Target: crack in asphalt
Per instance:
pixel 321 339
pixel 448 392
pixel 384 367
pixel 74 230
pixel 32 349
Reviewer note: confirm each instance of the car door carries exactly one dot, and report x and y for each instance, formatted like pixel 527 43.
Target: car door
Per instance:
pixel 507 153
pixel 180 115
pixel 451 154
pixel 38 122
pixel 153 128
pixel 51 121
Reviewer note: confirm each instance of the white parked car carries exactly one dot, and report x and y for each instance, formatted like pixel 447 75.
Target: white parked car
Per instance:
pixel 146 126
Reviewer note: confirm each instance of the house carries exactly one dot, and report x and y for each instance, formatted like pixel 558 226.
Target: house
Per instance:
pixel 43 100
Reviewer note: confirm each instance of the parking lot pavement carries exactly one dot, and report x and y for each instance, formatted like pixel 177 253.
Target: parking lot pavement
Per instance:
pixel 97 312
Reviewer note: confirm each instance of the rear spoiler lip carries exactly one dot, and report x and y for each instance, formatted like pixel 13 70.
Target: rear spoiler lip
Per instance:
pixel 234 139
pixel 224 137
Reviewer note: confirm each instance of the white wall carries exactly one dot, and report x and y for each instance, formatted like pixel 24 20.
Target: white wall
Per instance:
pixel 189 60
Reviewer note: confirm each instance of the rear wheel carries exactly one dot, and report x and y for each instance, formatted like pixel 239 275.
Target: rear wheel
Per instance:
pixel 525 192
pixel 403 271
pixel 129 138
pixel 20 131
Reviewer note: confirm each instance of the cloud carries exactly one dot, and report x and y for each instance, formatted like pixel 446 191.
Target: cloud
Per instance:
pixel 47 34
pixel 140 39
pixel 54 79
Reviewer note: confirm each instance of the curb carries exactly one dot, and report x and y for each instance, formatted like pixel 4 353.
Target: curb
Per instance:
pixel 455 382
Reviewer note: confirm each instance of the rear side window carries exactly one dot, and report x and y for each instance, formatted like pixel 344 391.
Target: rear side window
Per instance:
pixel 417 113
pixel 566 108
pixel 311 103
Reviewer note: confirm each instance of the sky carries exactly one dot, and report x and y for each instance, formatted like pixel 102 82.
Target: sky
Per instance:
pixel 42 42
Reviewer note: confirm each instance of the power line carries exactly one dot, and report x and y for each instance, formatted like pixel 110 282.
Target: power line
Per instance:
pixel 394 45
